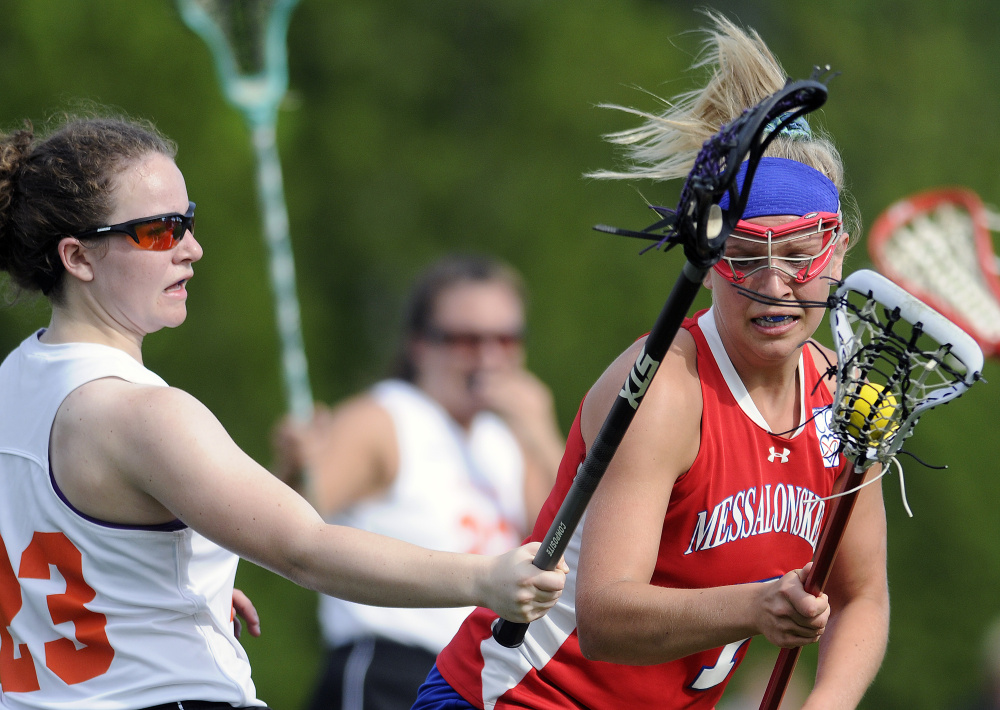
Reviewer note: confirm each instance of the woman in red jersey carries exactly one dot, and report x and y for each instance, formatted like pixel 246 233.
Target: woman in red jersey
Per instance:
pixel 700 533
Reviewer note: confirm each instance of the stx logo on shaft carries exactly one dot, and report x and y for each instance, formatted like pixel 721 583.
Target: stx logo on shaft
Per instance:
pixel 639 379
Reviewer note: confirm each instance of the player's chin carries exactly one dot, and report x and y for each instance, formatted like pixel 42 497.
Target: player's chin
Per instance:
pixel 172 316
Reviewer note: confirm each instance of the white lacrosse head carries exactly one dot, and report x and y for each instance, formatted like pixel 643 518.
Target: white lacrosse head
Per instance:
pixel 913 356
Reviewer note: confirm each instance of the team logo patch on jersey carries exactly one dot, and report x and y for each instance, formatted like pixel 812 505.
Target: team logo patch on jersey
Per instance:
pixel 829 444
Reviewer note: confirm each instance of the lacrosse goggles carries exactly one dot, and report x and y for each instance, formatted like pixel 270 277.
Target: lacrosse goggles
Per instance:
pixel 805 247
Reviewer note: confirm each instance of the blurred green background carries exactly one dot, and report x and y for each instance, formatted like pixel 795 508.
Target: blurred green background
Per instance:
pixel 412 129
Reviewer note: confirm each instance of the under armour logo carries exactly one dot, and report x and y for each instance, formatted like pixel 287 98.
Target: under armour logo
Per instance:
pixel 782 455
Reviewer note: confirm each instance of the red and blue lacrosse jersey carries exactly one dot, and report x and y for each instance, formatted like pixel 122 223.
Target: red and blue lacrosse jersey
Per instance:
pixel 748 510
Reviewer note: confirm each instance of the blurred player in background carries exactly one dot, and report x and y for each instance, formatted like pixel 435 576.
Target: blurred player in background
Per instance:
pixel 457 451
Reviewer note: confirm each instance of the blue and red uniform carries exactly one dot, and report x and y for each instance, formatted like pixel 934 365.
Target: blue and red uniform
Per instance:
pixel 748 510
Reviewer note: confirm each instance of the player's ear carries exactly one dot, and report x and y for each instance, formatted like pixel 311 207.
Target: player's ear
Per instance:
pixel 76 258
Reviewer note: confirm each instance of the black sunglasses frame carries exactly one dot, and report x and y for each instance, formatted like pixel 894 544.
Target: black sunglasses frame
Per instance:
pixel 186 222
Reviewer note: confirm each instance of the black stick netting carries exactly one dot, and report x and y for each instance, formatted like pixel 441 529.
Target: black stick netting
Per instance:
pixel 698 223
pixel 888 372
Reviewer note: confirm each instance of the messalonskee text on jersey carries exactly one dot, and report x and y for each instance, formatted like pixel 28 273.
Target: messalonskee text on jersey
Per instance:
pixel 777 508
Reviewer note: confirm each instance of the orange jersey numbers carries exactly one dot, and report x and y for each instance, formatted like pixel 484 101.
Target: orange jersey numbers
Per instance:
pixel 17 669
pixel 89 655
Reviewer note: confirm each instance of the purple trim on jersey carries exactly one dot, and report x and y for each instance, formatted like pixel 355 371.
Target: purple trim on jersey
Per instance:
pixel 172 526
pixel 781 186
pixel 436 694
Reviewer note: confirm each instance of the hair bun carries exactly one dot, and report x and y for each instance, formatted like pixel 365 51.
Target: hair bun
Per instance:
pixel 14 151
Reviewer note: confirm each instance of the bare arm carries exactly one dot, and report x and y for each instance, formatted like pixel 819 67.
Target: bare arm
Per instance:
pixel 622 617
pixel 168 450
pixel 350 453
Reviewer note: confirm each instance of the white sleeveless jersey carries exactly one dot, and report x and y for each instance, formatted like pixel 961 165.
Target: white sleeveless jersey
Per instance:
pixel 92 614
pixel 455 490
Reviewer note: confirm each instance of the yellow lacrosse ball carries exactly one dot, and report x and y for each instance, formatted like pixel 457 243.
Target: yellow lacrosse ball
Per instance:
pixel 882 423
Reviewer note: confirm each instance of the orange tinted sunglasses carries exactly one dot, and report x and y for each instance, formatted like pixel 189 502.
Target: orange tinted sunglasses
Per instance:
pixel 160 233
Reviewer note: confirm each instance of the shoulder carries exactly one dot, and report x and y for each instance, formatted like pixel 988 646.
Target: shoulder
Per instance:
pixel 114 443
pixel 681 355
pixel 675 386
pixel 350 451
pixel 363 414
pixel 112 399
pixel 680 362
pixel 131 416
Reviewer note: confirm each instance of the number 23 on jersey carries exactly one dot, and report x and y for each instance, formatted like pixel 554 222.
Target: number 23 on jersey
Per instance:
pixel 73 662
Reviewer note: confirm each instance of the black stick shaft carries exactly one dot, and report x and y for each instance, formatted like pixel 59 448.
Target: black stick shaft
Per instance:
pixel 612 432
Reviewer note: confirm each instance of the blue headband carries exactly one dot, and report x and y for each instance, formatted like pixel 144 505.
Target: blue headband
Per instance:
pixel 782 186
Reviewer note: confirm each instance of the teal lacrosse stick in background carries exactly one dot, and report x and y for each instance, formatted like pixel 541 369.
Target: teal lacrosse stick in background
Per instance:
pixel 247 41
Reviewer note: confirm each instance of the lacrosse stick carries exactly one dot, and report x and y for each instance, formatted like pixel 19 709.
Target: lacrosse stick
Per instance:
pixel 896 358
pixel 937 246
pixel 701 226
pixel 247 40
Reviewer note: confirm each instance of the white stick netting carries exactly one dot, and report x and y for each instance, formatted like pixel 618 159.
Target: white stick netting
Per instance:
pixel 937 254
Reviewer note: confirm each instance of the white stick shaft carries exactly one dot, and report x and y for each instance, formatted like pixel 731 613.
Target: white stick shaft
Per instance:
pixel 282 271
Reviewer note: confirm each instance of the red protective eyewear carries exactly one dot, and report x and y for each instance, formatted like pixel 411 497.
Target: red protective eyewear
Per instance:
pixel 470 341
pixel 745 257
pixel 160 233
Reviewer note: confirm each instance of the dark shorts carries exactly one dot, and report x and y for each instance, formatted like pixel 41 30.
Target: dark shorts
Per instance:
pixel 436 694
pixel 372 674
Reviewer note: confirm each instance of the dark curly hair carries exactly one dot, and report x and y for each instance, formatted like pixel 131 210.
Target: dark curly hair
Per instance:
pixel 62 184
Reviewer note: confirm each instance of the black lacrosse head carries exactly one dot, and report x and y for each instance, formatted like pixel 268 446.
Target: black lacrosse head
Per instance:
pixel 699 223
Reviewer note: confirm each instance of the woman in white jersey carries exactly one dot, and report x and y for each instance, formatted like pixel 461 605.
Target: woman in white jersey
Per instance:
pixel 118 529
pixel 455 451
